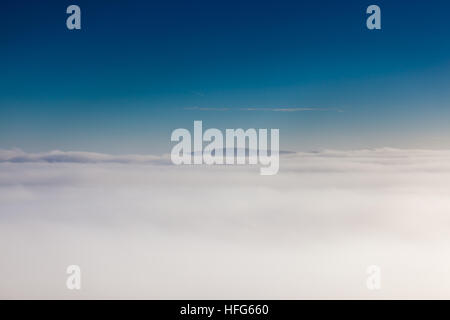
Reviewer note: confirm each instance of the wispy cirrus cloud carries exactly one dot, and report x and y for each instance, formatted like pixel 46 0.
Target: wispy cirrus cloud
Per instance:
pixel 288 109
pixel 274 109
pixel 206 109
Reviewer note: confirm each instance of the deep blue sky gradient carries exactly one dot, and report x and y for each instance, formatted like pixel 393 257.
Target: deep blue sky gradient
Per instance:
pixel 124 81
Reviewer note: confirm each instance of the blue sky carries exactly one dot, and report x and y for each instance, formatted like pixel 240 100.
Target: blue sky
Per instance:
pixel 139 69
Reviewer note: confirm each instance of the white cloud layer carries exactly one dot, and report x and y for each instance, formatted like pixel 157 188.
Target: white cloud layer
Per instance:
pixel 140 227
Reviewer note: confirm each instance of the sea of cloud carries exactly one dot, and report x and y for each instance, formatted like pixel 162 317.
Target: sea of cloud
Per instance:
pixel 140 227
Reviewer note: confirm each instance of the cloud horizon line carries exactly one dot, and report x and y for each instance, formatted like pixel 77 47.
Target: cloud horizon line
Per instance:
pixel 58 156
